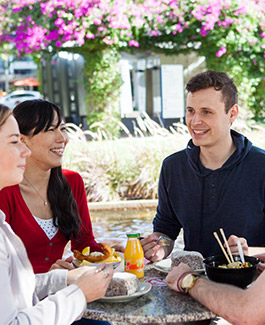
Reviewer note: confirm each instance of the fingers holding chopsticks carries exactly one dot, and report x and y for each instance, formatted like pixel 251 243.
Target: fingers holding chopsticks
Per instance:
pixel 232 242
pixel 231 245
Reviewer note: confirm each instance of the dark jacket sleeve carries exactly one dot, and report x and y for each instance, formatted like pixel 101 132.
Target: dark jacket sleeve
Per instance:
pixel 165 220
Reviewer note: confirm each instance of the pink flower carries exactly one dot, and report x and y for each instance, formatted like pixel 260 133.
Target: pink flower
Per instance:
pixel 159 19
pixel 154 33
pixel 90 36
pixel 59 22
pixel 203 31
pixel 53 35
pixel 97 22
pixel 179 28
pixel 221 51
pixel 108 41
pixel 134 43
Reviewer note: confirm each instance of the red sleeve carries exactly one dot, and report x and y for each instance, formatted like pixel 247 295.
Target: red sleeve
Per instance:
pixel 86 237
pixel 8 201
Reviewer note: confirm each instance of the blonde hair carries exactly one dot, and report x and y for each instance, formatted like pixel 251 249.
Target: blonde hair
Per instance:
pixel 5 112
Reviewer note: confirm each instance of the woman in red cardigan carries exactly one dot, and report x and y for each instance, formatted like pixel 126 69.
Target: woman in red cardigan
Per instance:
pixel 49 207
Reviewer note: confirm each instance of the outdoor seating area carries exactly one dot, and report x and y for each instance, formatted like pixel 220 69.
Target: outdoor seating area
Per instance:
pixel 132 170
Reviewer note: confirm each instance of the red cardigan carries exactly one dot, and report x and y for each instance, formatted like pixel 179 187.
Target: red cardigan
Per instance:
pixel 42 251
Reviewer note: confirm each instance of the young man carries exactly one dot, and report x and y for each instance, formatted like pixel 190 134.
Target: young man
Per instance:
pixel 218 181
pixel 236 305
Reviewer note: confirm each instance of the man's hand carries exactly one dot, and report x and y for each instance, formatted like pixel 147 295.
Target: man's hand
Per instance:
pixel 261 266
pixel 63 264
pixel 174 274
pixel 154 252
pixel 232 242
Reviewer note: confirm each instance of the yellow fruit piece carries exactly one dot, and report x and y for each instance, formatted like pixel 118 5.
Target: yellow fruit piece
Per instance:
pixel 84 262
pixel 114 258
pixel 117 257
pixel 86 251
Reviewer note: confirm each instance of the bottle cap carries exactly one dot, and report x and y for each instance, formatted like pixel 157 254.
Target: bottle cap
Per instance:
pixel 133 235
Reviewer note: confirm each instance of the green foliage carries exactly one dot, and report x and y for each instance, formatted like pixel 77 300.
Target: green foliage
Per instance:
pixel 102 84
pixel 121 169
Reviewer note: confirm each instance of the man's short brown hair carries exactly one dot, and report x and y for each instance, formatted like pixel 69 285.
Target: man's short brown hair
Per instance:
pixel 217 80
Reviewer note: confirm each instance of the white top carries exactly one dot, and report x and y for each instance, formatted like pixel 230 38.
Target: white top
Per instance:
pixel 21 290
pixel 47 226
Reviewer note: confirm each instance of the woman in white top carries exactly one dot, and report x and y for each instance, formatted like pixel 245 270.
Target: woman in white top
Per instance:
pixel 22 294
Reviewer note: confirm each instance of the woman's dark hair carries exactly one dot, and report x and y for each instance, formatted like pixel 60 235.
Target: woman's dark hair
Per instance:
pixel 34 116
pixel 217 80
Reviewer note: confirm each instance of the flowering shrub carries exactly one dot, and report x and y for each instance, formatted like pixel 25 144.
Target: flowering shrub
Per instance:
pixel 229 33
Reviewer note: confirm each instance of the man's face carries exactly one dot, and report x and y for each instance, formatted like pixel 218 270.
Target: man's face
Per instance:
pixel 207 121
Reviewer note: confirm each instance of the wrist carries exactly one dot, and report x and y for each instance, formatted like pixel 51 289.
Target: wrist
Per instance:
pixel 167 250
pixel 186 281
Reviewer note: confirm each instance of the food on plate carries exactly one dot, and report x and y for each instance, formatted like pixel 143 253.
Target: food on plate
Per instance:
pixel 235 265
pixel 108 255
pixel 193 259
pixel 86 251
pixel 95 257
pixel 122 284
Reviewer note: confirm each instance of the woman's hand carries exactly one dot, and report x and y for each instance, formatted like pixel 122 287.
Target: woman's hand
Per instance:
pixel 93 284
pixel 174 274
pixel 74 275
pixel 118 248
pixel 63 264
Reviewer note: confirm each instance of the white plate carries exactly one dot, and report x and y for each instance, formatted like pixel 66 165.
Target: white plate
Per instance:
pixel 142 290
pixel 76 264
pixel 164 266
pixel 116 265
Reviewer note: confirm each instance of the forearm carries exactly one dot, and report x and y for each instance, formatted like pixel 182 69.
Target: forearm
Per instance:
pixel 50 282
pixel 235 305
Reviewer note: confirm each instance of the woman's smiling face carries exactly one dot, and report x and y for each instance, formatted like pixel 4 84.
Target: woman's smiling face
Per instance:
pixel 13 154
pixel 48 146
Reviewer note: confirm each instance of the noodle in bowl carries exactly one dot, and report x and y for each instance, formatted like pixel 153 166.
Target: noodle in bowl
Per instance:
pixel 240 277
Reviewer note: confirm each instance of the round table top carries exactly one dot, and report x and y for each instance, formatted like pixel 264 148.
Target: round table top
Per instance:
pixel 159 305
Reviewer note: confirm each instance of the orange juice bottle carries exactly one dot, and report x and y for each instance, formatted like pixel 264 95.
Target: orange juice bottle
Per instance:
pixel 134 256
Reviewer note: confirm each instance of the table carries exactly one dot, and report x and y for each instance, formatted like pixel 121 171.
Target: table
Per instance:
pixel 160 305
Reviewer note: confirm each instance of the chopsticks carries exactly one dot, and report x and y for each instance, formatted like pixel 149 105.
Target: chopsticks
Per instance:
pixel 227 246
pixel 222 247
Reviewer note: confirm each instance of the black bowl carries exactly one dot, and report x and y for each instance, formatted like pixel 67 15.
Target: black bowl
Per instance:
pixel 238 277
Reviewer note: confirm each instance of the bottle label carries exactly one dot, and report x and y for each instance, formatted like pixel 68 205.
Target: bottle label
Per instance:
pixel 138 265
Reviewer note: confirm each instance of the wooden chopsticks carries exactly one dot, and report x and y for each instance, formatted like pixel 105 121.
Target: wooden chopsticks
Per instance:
pixel 231 259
